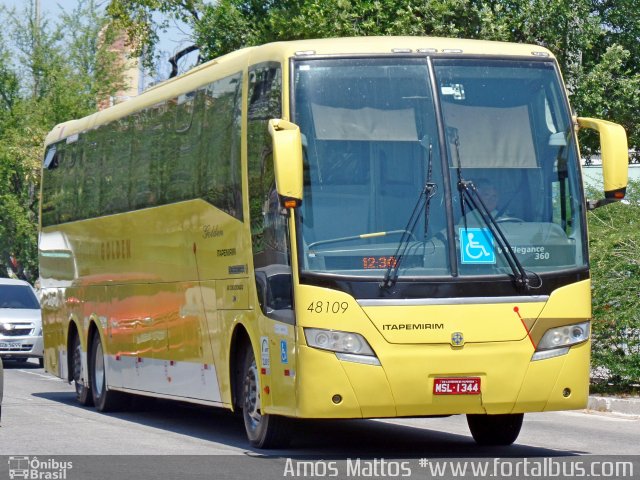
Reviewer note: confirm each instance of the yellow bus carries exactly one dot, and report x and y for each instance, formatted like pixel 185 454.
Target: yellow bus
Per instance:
pixel 341 228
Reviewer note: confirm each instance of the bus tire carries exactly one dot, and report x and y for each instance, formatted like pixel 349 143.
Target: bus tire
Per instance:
pixel 105 400
pixel 83 392
pixel 495 429
pixel 263 431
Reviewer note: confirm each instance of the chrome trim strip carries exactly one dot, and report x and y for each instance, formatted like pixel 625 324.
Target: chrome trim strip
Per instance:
pixel 551 353
pixel 414 302
pixel 351 357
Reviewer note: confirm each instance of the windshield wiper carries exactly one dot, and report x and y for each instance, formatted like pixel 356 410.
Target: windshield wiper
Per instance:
pixel 470 195
pixel 427 193
pixel 356 237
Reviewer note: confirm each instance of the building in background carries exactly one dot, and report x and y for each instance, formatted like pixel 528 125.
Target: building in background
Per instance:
pixel 132 71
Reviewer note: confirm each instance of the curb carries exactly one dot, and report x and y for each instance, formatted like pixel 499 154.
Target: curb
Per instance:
pixel 619 405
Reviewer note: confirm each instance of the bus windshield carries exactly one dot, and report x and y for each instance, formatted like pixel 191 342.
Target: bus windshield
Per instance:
pixel 376 131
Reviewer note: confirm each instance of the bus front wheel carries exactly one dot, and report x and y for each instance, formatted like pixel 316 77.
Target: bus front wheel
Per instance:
pixel 495 429
pixel 263 431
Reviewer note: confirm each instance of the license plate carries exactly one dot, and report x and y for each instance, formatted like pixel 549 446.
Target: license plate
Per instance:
pixel 9 346
pixel 456 386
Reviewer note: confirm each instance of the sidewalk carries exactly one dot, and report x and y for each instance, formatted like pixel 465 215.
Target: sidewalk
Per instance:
pixel 620 405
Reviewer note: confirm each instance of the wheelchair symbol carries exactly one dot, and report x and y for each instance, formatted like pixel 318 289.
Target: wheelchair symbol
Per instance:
pixel 476 246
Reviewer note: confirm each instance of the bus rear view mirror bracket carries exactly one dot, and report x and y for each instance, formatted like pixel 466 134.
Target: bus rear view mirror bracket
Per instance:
pixel 287 159
pixel 593 204
pixel 615 159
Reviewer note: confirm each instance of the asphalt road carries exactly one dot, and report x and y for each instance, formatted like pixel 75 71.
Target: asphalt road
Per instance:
pixel 40 418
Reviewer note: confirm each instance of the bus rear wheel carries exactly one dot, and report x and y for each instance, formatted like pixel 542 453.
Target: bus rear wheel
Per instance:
pixel 263 431
pixel 83 393
pixel 105 400
pixel 495 429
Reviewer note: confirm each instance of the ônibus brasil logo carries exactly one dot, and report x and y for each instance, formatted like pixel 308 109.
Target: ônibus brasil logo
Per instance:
pixel 36 469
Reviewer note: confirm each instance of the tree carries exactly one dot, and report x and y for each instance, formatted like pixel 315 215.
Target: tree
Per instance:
pixel 9 85
pixel 18 203
pixel 136 18
pixel 610 89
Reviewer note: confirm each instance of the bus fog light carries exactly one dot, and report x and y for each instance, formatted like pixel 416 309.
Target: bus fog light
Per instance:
pixel 337 341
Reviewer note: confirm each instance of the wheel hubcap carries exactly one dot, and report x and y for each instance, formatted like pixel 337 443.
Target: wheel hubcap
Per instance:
pixel 99 369
pixel 77 366
pixel 252 396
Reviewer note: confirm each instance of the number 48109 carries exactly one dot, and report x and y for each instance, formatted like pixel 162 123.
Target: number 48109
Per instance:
pixel 328 307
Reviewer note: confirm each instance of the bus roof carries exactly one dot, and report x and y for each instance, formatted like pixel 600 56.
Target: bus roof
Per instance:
pixel 280 51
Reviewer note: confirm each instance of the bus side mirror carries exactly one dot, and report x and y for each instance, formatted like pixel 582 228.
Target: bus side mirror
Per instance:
pixel 615 159
pixel 287 159
pixel 275 292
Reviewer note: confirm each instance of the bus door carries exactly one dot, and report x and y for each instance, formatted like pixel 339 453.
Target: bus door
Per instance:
pixel 276 354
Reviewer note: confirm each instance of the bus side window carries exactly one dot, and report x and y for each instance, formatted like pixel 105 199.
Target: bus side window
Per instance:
pixel 268 227
pixel 219 173
pixel 51 185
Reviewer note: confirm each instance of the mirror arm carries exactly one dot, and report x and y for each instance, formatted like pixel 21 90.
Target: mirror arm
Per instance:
pixel 593 204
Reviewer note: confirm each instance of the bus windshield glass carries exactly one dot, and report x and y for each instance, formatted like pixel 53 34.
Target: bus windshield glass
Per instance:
pixel 377 131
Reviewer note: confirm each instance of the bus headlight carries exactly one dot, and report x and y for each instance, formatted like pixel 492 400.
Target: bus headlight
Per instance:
pixel 337 341
pixel 556 341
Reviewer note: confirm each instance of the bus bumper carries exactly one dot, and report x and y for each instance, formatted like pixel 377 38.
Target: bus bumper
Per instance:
pixel 403 385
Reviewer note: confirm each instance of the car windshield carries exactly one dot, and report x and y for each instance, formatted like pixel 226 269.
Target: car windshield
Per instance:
pixel 18 296
pixel 372 141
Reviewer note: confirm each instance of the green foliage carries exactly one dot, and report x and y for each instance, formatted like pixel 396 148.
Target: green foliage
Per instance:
pixel 234 29
pixel 18 202
pixel 136 18
pixel 615 262
pixel 611 89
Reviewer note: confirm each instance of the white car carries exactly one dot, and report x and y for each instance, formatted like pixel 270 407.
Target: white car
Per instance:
pixel 20 322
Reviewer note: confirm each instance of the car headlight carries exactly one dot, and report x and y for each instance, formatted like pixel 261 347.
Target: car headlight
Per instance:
pixel 557 341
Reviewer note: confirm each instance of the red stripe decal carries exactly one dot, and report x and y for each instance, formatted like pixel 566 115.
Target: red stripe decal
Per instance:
pixel 517 310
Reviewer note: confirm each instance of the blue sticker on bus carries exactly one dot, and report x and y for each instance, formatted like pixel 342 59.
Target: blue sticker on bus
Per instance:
pixel 284 358
pixel 476 246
